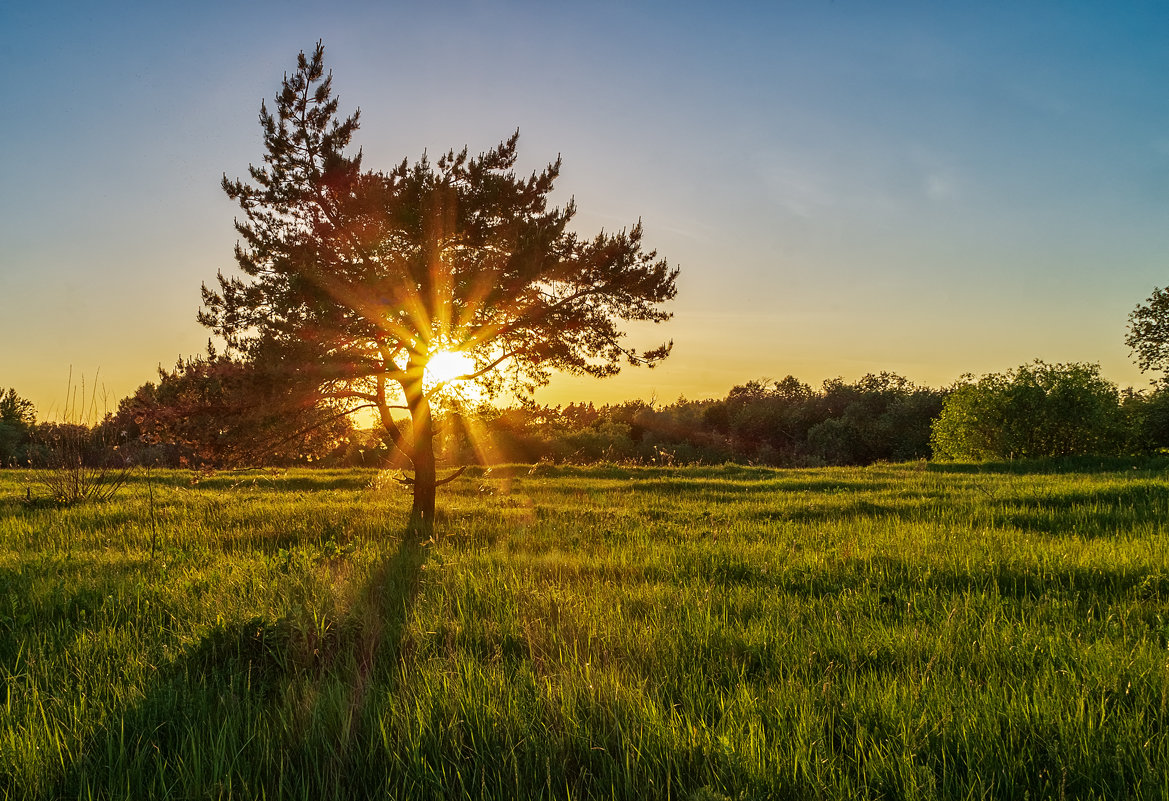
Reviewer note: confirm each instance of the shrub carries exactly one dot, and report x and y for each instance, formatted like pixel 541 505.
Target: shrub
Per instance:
pixel 1038 410
pixel 1147 420
pixel 75 464
pixel 17 419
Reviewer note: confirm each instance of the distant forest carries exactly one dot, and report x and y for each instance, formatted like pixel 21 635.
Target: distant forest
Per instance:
pixel 211 414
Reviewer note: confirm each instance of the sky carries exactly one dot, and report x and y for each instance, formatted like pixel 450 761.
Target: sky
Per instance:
pixel 930 189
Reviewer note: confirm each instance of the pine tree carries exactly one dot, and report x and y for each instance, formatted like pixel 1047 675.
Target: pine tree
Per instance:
pixel 353 279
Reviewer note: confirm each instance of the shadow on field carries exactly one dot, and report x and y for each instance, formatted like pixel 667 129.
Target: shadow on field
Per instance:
pixel 1096 514
pixel 1103 513
pixel 1076 585
pixel 253 478
pixel 1070 464
pixel 625 472
pixel 300 481
pixel 259 707
pixel 685 488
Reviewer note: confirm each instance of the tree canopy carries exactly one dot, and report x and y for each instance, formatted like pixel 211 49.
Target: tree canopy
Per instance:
pixel 17 418
pixel 1148 332
pixel 218 411
pixel 352 280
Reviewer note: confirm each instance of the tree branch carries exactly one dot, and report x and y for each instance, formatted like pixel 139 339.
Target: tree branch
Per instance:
pixel 493 330
pixel 315 426
pixel 407 481
pixel 452 476
pixel 471 376
pixel 387 419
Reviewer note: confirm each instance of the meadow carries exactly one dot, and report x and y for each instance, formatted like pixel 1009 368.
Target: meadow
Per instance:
pixel 895 631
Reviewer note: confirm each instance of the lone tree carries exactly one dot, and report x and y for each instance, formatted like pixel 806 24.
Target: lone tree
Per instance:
pixel 1148 332
pixel 354 280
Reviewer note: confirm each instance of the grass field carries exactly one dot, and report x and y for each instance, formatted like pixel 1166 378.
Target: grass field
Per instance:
pixel 905 631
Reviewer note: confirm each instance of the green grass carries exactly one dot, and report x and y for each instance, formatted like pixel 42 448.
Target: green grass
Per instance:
pixel 904 631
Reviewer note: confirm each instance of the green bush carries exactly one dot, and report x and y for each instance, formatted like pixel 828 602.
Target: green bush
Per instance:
pixel 1038 410
pixel 17 419
pixel 1147 418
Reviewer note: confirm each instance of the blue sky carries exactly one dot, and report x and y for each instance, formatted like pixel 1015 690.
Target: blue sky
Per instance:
pixel 926 188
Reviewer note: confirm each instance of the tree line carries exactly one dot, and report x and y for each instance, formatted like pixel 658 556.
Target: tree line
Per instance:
pixel 216 412
pixel 1037 410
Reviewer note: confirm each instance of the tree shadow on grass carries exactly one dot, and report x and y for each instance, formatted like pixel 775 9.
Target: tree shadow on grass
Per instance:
pixel 1107 512
pixel 262 708
pixel 1054 466
pixel 303 481
pixel 705 490
pixel 1070 584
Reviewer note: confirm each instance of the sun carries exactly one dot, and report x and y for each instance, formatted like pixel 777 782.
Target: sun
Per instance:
pixel 447 364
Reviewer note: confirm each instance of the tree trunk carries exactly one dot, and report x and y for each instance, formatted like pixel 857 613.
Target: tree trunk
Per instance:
pixel 421 524
pixel 422 512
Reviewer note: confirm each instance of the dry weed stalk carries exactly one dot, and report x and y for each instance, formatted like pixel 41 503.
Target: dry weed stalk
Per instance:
pixel 77 464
